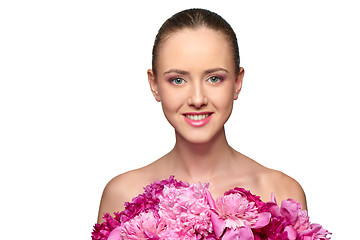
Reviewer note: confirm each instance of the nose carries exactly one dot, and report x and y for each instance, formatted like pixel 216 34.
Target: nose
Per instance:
pixel 197 97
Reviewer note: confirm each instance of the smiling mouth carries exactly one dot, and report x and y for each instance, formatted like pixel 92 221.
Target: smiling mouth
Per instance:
pixel 197 117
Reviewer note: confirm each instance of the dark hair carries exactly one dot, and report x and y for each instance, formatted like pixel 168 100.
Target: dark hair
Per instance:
pixel 195 18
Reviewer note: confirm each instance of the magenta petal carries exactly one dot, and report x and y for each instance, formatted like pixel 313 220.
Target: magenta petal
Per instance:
pixel 273 199
pixel 218 224
pixel 243 233
pixel 315 231
pixel 246 233
pixel 231 234
pixel 292 233
pixel 115 234
pixel 289 211
pixel 273 207
pixel 263 220
pixel 210 199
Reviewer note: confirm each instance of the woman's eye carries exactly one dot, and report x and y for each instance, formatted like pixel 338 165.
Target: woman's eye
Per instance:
pixel 214 79
pixel 177 81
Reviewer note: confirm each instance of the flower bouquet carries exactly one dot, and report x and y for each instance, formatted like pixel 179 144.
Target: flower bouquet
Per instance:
pixel 171 209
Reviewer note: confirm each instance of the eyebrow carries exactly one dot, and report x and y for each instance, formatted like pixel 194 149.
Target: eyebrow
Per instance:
pixel 216 70
pixel 208 71
pixel 182 72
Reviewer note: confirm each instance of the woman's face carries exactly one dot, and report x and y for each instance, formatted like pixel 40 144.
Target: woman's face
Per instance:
pixel 196 82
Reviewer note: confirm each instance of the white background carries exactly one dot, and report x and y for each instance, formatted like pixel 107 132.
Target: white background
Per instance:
pixel 76 109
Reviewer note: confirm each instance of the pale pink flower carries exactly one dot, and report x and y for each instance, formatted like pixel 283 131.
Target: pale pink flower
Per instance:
pixel 315 232
pixel 185 212
pixel 235 214
pixel 143 226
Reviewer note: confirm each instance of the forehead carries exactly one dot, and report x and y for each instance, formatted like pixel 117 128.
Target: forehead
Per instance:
pixel 195 49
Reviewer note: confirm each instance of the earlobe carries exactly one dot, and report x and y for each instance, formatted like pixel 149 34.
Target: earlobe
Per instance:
pixel 238 83
pixel 153 85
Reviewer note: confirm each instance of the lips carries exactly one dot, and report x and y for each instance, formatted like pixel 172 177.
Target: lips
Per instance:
pixel 197 119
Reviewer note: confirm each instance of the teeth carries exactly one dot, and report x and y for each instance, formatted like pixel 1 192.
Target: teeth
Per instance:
pixel 197 117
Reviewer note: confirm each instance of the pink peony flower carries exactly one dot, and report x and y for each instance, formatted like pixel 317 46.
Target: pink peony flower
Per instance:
pixel 235 214
pixel 185 212
pixel 315 232
pixel 295 220
pixel 284 219
pixel 251 197
pixel 293 214
pixel 144 226
pixel 149 200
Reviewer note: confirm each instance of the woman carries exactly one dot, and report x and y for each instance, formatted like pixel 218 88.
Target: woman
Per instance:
pixel 196 75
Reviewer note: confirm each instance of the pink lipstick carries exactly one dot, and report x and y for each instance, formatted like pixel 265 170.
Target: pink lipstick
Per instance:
pixel 197 119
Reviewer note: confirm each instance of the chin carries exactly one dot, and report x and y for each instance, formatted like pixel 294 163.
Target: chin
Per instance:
pixel 197 140
pixel 196 137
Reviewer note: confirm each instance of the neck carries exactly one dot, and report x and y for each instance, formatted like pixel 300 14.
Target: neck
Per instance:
pixel 196 162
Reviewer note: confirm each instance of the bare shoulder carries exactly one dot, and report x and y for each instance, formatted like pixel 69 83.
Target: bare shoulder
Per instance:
pixel 284 187
pixel 121 189
pixel 124 187
pixel 264 181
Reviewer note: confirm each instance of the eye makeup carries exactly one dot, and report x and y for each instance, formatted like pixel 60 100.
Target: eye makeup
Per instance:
pixel 176 80
pixel 215 79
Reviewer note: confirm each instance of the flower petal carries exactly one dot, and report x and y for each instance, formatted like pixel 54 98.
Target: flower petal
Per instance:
pixel 273 199
pixel 210 199
pixel 263 220
pixel 115 234
pixel 273 207
pixel 289 211
pixel 243 233
pixel 218 224
pixel 292 233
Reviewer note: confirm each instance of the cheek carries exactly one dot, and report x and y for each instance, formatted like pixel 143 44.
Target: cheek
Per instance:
pixel 223 98
pixel 226 105
pixel 171 100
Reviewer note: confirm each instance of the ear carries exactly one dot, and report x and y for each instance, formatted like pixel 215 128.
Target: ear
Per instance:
pixel 238 83
pixel 153 85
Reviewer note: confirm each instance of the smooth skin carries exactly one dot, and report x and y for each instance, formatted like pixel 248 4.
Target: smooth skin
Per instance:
pixel 196 73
